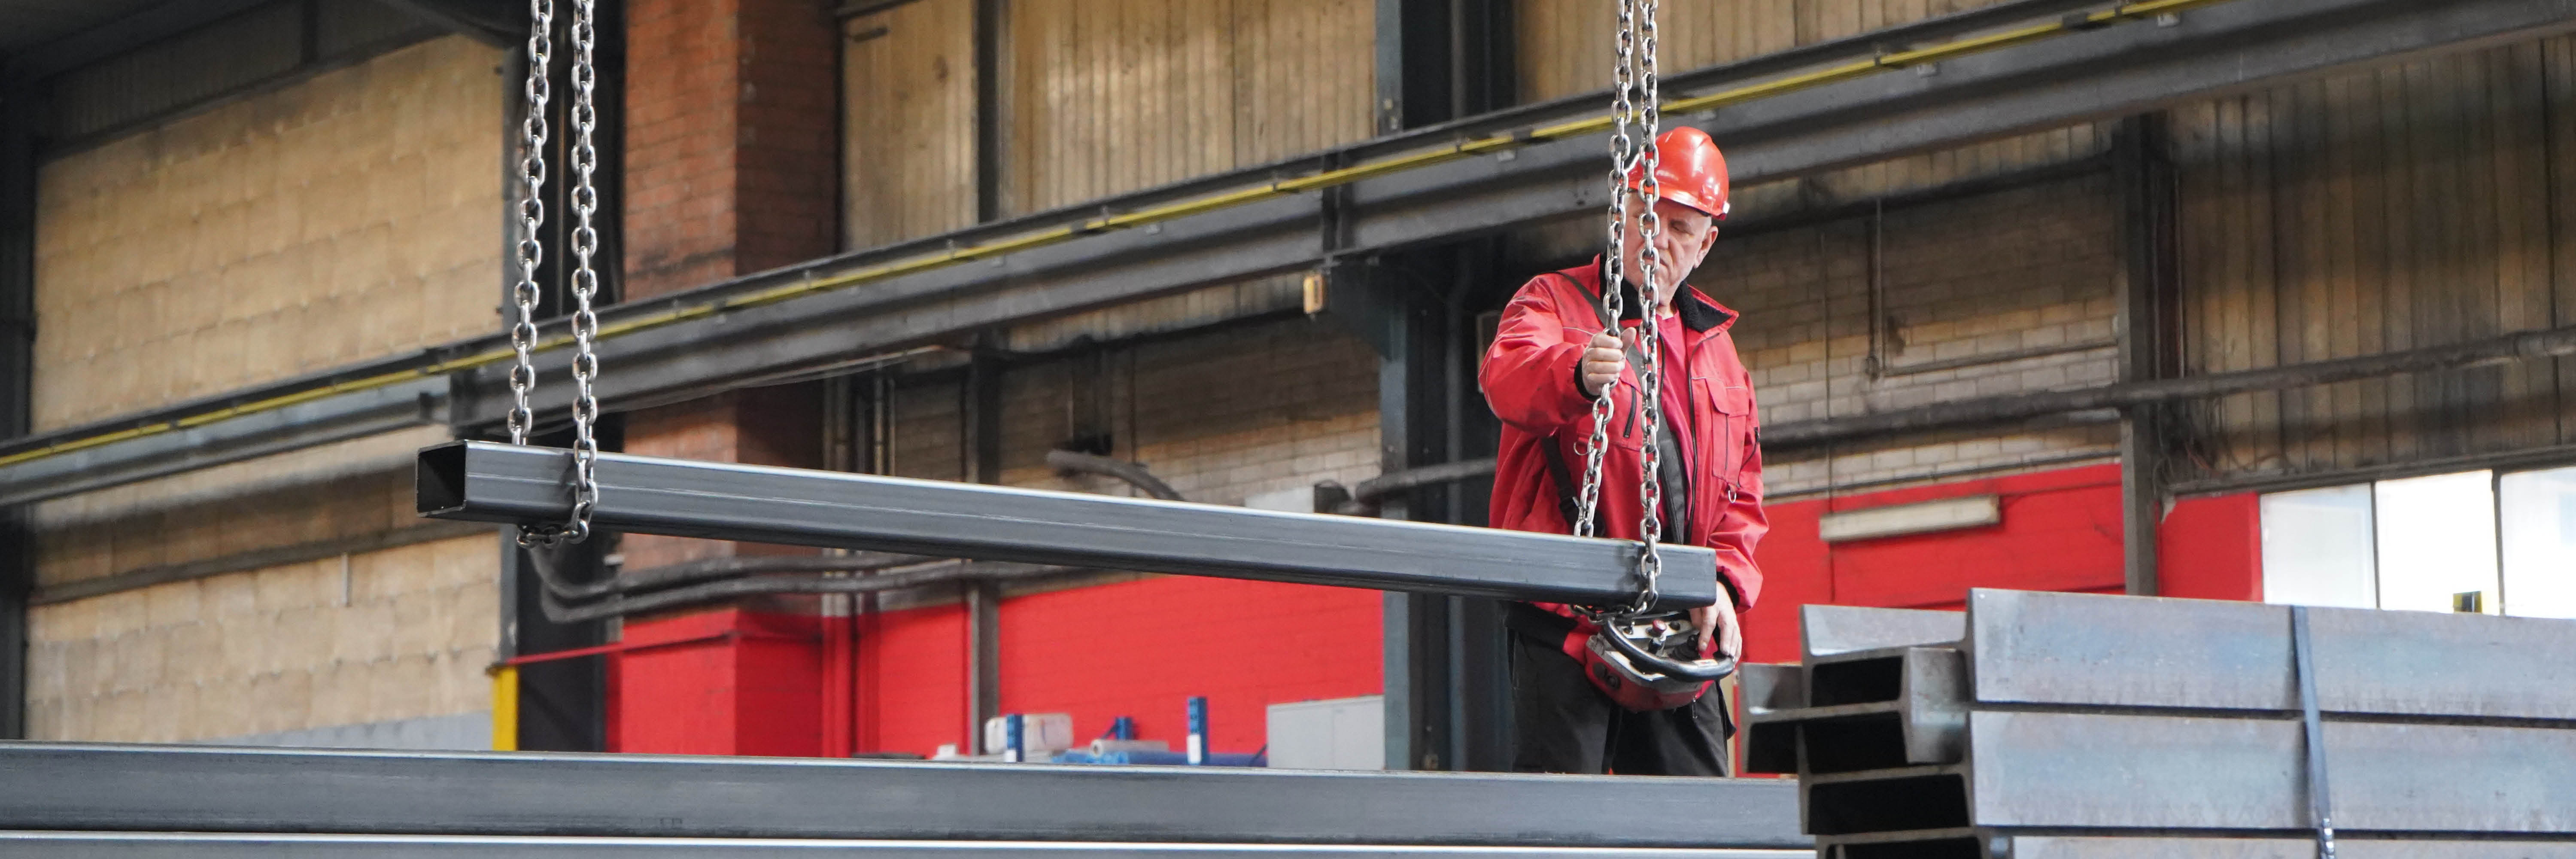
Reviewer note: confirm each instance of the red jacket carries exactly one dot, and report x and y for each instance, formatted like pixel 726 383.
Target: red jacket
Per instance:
pixel 1529 379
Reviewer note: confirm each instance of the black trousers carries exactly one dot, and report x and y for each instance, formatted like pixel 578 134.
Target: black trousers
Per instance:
pixel 1561 724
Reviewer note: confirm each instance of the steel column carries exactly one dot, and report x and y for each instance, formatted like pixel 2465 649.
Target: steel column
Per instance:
pixel 210 789
pixel 18 110
pixel 2149 310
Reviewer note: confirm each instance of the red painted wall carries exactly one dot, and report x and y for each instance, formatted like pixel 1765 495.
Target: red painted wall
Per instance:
pixel 2211 548
pixel 912 680
pixel 1140 648
pixel 747 688
pixel 2060 532
pixel 1136 649
pixel 1143 648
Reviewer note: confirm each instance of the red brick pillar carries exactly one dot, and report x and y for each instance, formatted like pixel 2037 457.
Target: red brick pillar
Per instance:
pixel 731 168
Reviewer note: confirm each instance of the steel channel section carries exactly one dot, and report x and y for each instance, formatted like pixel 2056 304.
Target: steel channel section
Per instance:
pixel 2178 847
pixel 2065 80
pixel 2037 769
pixel 490 482
pixel 85 845
pixel 73 787
pixel 2092 650
pixel 1830 630
pixel 346 416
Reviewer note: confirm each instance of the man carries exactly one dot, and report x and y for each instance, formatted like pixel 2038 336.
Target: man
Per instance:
pixel 1550 358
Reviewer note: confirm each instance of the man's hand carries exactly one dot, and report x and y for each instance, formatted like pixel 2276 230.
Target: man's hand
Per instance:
pixel 1601 364
pixel 1719 621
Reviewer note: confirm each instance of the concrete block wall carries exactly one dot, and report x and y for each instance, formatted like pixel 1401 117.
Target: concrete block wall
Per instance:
pixel 367 638
pixel 334 219
pixel 1962 287
pixel 341 218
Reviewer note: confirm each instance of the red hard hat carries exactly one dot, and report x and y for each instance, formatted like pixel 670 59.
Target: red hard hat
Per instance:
pixel 1689 170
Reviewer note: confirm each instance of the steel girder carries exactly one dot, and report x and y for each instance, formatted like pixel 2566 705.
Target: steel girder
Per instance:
pixel 175 845
pixel 124 788
pixel 491 482
pixel 2089 650
pixel 2070 79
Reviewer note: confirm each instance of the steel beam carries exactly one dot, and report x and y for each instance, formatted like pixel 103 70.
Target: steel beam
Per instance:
pixel 1832 630
pixel 191 845
pixel 2037 769
pixel 2185 847
pixel 2074 78
pixel 2090 650
pixel 68 787
pixel 487 482
pixel 336 418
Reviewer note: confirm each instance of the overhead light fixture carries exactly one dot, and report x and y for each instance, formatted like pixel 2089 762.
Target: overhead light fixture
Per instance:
pixel 1896 520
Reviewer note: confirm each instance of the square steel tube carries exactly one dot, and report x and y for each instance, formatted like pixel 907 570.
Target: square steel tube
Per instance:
pixel 489 482
pixel 72 787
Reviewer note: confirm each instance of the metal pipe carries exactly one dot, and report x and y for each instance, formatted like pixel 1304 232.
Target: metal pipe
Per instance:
pixel 1135 475
pixel 2510 348
pixel 937 572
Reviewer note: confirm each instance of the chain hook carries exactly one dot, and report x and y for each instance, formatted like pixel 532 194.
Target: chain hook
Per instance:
pixel 531 255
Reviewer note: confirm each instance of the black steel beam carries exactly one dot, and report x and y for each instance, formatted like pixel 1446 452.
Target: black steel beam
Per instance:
pixel 192 845
pixel 66 787
pixel 482 481
pixel 2084 76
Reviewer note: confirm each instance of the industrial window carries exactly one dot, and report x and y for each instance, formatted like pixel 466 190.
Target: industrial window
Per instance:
pixel 2423 543
pixel 2539 518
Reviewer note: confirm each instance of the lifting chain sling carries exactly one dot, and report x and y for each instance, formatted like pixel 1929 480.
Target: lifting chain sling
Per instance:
pixel 531 251
pixel 1636 115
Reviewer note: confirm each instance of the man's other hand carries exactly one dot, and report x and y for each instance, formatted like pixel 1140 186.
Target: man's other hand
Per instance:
pixel 1719 621
pixel 1602 362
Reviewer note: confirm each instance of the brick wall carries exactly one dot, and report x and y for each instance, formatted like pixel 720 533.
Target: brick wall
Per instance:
pixel 730 142
pixel 730 169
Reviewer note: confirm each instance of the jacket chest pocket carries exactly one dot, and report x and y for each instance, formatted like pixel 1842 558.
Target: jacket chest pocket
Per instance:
pixel 1730 437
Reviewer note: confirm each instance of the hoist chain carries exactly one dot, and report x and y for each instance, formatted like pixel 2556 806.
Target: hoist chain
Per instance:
pixel 532 215
pixel 585 244
pixel 1650 561
pixel 585 279
pixel 1635 121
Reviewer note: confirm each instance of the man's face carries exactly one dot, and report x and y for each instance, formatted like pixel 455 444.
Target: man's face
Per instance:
pixel 1683 241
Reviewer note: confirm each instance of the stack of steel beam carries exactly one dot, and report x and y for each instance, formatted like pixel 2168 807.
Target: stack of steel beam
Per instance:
pixel 2075 726
pixel 199 802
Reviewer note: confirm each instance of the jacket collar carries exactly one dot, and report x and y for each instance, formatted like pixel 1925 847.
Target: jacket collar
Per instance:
pixel 1700 313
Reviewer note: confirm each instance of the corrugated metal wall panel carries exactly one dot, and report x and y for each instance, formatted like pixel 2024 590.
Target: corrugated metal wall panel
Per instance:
pixel 909 113
pixel 1566 45
pixel 2379 211
pixel 1115 95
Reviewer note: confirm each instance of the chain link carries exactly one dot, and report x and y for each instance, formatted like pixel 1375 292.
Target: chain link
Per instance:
pixel 532 215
